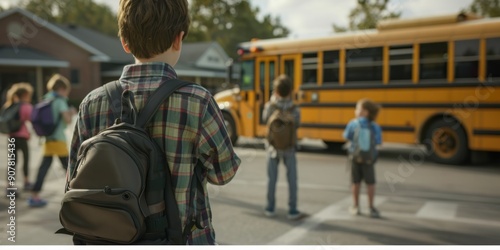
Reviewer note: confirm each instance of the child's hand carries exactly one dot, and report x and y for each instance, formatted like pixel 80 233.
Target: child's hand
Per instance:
pixel 73 110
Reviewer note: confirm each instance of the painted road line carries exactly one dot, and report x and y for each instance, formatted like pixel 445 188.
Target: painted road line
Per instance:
pixel 438 210
pixel 476 222
pixel 335 211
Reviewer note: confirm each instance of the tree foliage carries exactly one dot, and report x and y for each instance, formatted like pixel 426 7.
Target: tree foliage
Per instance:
pixel 487 8
pixel 230 22
pixel 85 13
pixel 367 14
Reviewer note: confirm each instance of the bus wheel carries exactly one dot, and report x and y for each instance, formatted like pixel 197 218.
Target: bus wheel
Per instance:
pixel 334 145
pixel 231 128
pixel 447 143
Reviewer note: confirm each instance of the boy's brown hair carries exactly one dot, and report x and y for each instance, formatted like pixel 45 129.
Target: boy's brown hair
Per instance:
pixel 371 107
pixel 283 85
pixel 57 82
pixel 149 27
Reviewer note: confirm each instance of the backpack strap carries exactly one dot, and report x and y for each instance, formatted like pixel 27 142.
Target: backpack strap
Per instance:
pixel 157 98
pixel 114 91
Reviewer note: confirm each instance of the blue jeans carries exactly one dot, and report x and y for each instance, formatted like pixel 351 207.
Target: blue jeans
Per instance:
pixel 273 160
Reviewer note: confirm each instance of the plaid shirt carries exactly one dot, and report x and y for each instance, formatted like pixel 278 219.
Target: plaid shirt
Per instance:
pixel 190 126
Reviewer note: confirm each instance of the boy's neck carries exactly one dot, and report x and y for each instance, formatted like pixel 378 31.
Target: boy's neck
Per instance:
pixel 167 57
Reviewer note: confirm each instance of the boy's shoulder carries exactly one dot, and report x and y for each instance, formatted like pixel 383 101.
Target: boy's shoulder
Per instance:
pixel 193 90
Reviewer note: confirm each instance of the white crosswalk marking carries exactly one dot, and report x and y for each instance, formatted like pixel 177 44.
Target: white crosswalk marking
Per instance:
pixel 336 211
pixel 438 210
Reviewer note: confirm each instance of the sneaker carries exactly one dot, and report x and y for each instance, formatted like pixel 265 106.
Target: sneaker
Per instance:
pixel 354 210
pixel 269 213
pixel 374 213
pixel 36 202
pixel 295 216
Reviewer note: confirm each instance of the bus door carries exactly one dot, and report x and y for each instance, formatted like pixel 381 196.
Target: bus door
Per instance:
pixel 289 65
pixel 266 70
pixel 247 100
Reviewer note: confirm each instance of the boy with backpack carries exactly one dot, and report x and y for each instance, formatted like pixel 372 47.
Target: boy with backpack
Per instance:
pixel 282 118
pixel 15 113
pixel 55 144
pixel 364 135
pixel 187 127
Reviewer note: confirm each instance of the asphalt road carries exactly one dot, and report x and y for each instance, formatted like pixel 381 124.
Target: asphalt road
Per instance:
pixel 420 202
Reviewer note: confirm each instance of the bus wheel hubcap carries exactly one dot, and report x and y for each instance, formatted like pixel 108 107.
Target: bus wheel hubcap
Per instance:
pixel 445 142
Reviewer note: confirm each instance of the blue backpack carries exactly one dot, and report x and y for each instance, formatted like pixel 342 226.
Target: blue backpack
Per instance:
pixel 364 144
pixel 43 119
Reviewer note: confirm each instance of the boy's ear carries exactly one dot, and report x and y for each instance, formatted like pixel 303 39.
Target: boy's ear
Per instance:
pixel 125 46
pixel 177 45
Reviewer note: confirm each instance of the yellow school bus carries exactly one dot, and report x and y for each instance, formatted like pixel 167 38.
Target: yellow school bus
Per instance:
pixel 437 80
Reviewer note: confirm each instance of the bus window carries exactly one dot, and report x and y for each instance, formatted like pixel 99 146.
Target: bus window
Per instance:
pixel 272 76
pixel 262 78
pixel 331 67
pixel 364 65
pixel 289 69
pixel 433 60
pixel 467 59
pixel 401 62
pixel 493 57
pixel 310 68
pixel 247 75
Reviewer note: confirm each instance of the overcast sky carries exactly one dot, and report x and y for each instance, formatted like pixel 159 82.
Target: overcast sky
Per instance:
pixel 315 17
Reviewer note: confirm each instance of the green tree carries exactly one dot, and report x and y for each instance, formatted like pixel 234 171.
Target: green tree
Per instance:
pixel 85 13
pixel 367 14
pixel 230 22
pixel 487 8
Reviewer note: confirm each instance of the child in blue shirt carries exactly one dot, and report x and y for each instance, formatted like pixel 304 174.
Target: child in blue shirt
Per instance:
pixel 366 112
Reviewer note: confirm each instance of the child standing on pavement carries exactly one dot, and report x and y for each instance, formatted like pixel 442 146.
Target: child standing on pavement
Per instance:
pixel 55 144
pixel 362 165
pixel 21 94
pixel 281 99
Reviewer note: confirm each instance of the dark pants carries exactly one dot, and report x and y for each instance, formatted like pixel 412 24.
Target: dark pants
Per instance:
pixel 22 145
pixel 44 168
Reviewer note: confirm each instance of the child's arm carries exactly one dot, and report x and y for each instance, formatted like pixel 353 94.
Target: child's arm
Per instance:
pixel 296 114
pixel 265 112
pixel 378 134
pixel 349 131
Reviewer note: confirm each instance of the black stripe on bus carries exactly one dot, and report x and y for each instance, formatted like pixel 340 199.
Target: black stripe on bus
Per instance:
pixel 379 85
pixel 486 132
pixel 342 126
pixel 465 105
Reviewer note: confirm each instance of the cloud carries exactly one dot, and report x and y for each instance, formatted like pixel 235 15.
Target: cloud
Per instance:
pixel 423 8
pixel 316 17
pixel 311 18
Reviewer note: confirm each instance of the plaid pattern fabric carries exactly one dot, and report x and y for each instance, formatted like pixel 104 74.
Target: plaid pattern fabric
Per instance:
pixel 189 124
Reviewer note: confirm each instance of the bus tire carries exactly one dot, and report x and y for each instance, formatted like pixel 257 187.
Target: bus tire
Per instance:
pixel 446 142
pixel 334 145
pixel 230 127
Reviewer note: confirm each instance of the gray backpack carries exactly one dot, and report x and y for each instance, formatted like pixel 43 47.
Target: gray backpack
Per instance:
pixel 364 144
pixel 121 191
